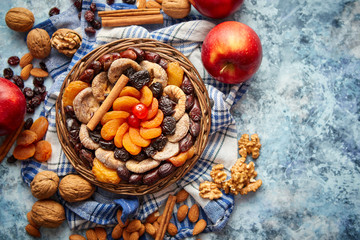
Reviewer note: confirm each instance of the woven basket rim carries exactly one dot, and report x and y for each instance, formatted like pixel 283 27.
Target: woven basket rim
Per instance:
pixel 169 53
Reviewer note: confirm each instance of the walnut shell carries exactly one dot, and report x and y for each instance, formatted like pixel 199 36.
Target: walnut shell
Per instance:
pixel 66 41
pixel 176 8
pixel 47 213
pixel 38 42
pixel 44 184
pixel 74 188
pixel 20 19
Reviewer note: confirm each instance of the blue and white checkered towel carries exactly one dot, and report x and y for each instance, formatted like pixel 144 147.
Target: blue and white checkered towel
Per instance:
pixel 186 35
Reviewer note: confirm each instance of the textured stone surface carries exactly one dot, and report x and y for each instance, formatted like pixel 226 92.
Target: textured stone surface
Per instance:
pixel 304 104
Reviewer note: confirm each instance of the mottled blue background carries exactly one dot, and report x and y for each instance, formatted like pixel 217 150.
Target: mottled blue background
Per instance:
pixel 304 104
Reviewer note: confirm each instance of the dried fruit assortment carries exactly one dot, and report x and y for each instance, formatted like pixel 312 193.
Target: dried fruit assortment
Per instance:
pixel 150 128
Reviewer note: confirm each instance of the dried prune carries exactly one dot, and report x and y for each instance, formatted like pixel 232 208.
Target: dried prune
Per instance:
pixel 86 155
pixel 136 178
pixel 96 66
pixel 152 57
pixel 195 112
pixel 11 159
pixel 28 92
pixel 18 81
pixel 38 81
pixel 187 85
pixel 189 103
pixel 72 124
pixel 129 71
pixel 96 24
pixel 141 156
pixel 93 7
pixel 123 173
pixel 69 111
pixel 166 105
pixel 166 169
pixel 150 151
pixel 168 125
pixel 28 123
pixel 8 73
pixel 139 79
pixel 87 75
pixel 74 137
pixel 89 16
pixel 121 154
pixel 14 60
pixel 151 177
pixel 54 11
pixel 186 143
pixel 159 142
pixel 95 136
pixel 157 89
pixel 107 145
pixel 139 53
pixel 90 30
pixel 194 128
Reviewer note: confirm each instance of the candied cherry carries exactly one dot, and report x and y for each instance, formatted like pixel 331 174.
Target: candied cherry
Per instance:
pixel 133 121
pixel 140 110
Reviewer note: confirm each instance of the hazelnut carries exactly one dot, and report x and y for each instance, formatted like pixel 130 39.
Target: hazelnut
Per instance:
pixel 19 19
pixel 74 188
pixel 176 8
pixel 47 213
pixel 66 41
pixel 38 42
pixel 44 184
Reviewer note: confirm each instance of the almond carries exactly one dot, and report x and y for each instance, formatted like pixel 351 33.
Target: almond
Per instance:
pixel 159 219
pixel 172 229
pixel 126 235
pixel 156 226
pixel 134 226
pixel 152 4
pixel 152 217
pixel 38 72
pixel 28 215
pixel 199 227
pixel 25 72
pixel 76 237
pixel 134 236
pixel 117 232
pixel 142 230
pixel 26 59
pixel 90 234
pixel 118 217
pixel 181 196
pixel 194 213
pixel 32 231
pixel 100 233
pixel 150 229
pixel 182 212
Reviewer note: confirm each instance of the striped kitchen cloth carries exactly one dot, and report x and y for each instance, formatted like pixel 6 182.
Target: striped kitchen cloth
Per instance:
pixel 186 35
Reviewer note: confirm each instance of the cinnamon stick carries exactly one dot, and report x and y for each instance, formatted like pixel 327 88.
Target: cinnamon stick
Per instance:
pixel 9 141
pixel 102 13
pixel 133 20
pixel 169 207
pixel 106 105
pixel 113 15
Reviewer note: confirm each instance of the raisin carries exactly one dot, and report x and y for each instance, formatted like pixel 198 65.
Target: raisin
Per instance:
pixel 35 101
pixel 187 86
pixel 166 105
pixel 11 159
pixel 123 173
pixel 139 53
pixel 129 71
pixel 86 156
pixel 157 89
pixel 95 136
pixel 54 11
pixel 129 1
pixel 90 30
pixel 107 145
pixel 8 73
pixel 28 92
pixel 29 108
pixel 14 60
pixel 87 75
pixel 121 154
pixel 195 112
pixel 89 16
pixel 18 81
pixel 150 151
pixel 72 124
pixel 96 24
pixel 96 66
pixel 186 143
pixel 159 142
pixel 43 66
pixel 168 125
pixel 38 81
pixel 139 79
pixel 39 90
pixel 189 103
pixel 78 4
pixel 110 2
pixel 139 157
pixel 69 111
pixel 28 123
pixel 93 7
pixel 74 136
pixel 152 57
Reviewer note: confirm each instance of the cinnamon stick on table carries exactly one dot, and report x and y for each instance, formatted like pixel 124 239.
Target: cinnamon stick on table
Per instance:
pixel 109 12
pixel 169 207
pixel 132 20
pixel 9 141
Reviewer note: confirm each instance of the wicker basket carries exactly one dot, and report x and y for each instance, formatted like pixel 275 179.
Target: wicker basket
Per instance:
pixel 167 52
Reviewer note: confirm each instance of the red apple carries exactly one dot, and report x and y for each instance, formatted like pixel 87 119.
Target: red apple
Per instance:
pixel 216 8
pixel 12 107
pixel 231 52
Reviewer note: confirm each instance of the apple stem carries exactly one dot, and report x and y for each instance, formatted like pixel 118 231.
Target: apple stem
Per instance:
pixel 227 67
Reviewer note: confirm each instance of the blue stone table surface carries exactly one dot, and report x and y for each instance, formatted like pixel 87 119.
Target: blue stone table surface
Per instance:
pixel 303 103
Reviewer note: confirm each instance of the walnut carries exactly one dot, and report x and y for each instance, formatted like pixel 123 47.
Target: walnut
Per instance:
pixel 251 187
pixel 246 146
pixel 209 190
pixel 74 188
pixel 176 8
pixel 66 41
pixel 19 19
pixel 44 184
pixel 217 173
pixel 38 42
pixel 47 213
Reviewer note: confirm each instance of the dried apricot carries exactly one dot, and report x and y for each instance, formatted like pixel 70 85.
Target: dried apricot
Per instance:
pixel 125 103
pixel 103 173
pixel 175 74
pixel 153 109
pixel 26 138
pixel 136 138
pixel 131 147
pixel 108 131
pixel 146 96
pixel 72 90
pixel 181 158
pixel 150 133
pixel 42 151
pixel 155 122
pixel 130 91
pixel 114 115
pixel 120 134
pixel 24 152
pixel 40 127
